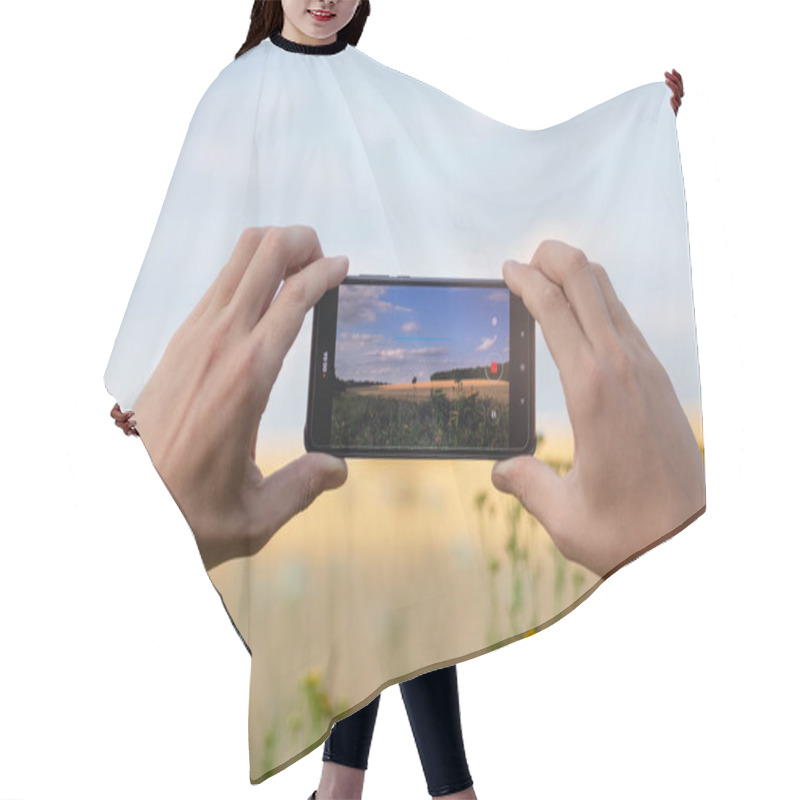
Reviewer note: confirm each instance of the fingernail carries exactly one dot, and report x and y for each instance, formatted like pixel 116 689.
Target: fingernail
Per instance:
pixel 510 262
pixel 500 476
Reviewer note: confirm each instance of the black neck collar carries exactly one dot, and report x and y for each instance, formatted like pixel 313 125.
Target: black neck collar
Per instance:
pixel 308 49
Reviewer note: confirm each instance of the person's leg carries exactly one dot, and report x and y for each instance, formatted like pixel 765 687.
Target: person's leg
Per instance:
pixel 432 704
pixel 346 753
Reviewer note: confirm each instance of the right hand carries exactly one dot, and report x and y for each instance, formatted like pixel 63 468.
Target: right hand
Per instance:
pixel 637 475
pixel 675 82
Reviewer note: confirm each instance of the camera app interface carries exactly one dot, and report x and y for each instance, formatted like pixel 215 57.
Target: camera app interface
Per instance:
pixel 421 367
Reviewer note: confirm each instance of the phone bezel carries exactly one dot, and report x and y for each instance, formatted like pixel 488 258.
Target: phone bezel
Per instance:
pixel 323 336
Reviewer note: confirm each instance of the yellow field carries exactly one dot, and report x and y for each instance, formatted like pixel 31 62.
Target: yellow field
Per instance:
pixel 410 565
pixel 496 391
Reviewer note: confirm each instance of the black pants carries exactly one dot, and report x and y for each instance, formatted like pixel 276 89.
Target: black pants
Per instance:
pixel 432 705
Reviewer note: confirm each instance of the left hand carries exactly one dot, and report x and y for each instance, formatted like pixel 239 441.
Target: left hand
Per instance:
pixel 199 412
pixel 124 420
pixel 675 82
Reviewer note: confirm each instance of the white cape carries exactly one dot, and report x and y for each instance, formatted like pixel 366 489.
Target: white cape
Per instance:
pixel 403 569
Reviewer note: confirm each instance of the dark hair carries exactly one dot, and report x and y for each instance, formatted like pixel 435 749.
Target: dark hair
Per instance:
pixel 266 18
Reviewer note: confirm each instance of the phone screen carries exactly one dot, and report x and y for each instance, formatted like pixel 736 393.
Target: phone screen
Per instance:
pixel 414 367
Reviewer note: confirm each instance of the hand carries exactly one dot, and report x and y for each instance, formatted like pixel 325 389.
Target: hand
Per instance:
pixel 124 420
pixel 199 413
pixel 675 82
pixel 638 474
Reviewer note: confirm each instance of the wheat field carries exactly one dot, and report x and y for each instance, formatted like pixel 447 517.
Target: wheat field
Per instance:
pixel 410 566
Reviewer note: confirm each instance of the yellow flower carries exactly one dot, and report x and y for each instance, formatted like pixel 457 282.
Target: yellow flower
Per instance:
pixel 313 678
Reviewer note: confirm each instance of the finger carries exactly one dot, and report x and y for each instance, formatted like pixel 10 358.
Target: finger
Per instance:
pixel 548 305
pixel 222 289
pixel 279 326
pixel 234 271
pixel 674 78
pixel 120 416
pixel 569 268
pixel 282 252
pixel 535 485
pixel 293 488
pixel 674 101
pixel 622 320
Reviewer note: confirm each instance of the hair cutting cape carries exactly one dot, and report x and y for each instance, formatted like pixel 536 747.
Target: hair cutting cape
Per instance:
pixel 411 565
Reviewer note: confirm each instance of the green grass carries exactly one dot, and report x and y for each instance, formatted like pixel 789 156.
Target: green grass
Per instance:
pixel 438 422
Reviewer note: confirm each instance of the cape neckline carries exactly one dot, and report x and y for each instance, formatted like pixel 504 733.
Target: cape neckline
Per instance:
pixel 308 49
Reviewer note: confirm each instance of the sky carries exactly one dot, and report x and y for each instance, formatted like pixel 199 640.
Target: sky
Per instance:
pixel 119 670
pixel 392 334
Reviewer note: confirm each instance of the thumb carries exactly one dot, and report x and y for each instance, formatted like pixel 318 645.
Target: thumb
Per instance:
pixel 533 483
pixel 294 488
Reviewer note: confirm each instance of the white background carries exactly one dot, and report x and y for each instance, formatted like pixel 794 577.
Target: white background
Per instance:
pixel 120 674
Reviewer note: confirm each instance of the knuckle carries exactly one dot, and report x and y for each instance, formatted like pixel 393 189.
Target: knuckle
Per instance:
pixel 294 291
pixel 546 251
pixel 593 380
pixel 308 232
pixel 247 359
pixel 251 237
pixel 224 325
pixel 617 357
pixel 253 362
pixel 590 397
pixel 263 363
pixel 276 239
pixel 623 366
pixel 247 389
pixel 600 273
pixel 576 263
pixel 552 296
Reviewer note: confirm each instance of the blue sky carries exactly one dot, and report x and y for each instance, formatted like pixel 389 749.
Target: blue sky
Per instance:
pixel 393 333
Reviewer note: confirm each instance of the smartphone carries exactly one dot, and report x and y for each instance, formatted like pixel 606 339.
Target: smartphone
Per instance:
pixel 421 368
